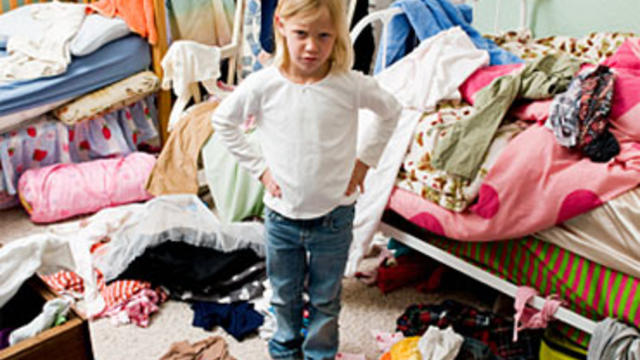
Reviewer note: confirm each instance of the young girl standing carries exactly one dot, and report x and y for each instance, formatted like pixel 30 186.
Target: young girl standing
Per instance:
pixel 306 111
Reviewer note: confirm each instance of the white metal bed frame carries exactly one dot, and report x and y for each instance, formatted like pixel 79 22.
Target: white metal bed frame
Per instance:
pixel 563 314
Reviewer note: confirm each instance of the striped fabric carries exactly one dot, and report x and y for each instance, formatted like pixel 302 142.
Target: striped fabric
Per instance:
pixel 589 289
pixel 64 282
pixel 114 294
pixel 6 5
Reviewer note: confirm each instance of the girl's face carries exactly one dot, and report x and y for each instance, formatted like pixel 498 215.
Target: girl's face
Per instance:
pixel 310 44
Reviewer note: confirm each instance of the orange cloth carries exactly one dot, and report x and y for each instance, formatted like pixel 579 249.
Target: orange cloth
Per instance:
pixel 138 14
pixel 406 349
pixel 386 356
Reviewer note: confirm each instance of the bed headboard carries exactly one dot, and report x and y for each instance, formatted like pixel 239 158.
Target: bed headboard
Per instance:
pixel 385 16
pixel 157 52
pixel 574 18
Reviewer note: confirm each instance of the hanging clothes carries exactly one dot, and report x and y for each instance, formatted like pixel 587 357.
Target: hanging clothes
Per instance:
pixel 176 170
pixel 266 25
pixel 208 22
pixel 364 47
pixel 251 47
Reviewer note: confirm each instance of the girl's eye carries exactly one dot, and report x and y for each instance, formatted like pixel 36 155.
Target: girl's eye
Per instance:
pixel 300 33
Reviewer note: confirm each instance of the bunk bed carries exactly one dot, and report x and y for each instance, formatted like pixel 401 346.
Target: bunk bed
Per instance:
pixel 31 136
pixel 593 284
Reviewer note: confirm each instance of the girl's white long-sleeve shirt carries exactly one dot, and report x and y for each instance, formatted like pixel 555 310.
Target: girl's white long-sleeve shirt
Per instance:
pixel 308 134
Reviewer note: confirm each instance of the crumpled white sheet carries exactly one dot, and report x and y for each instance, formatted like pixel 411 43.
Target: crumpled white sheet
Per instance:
pixel 47 53
pixel 441 64
pixel 127 231
pixel 45 253
pixel 437 344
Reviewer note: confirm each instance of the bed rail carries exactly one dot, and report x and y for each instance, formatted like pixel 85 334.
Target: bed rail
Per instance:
pixel 563 314
pixel 385 16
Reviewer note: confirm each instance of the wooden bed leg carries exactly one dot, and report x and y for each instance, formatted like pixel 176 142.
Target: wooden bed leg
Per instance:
pixel 158 51
pixel 164 108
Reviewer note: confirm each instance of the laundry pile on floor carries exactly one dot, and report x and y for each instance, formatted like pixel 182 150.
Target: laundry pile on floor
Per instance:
pixel 125 261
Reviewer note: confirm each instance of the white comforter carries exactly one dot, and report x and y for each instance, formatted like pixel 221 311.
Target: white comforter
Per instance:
pixel 46 53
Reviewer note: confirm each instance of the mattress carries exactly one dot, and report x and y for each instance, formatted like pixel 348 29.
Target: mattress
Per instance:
pixel 608 234
pixel 112 62
pixel 14 120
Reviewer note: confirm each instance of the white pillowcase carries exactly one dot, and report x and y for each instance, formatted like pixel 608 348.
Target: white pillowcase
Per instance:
pixel 96 30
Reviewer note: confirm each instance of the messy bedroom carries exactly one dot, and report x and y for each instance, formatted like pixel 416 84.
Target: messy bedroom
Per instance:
pixel 319 179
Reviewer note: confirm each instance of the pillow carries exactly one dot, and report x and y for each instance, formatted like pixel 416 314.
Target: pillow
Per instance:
pixel 60 191
pixel 109 98
pixel 97 30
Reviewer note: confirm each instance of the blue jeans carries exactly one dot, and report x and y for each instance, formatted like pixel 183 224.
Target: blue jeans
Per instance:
pixel 326 240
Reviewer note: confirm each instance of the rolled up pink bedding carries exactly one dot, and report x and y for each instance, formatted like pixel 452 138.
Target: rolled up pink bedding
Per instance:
pixel 60 191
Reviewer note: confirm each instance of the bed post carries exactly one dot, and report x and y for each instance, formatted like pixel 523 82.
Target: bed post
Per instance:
pixel 158 51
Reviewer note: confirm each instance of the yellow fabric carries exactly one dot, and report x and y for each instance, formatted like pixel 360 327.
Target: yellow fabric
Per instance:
pixel 25 203
pixel 406 349
pixel 549 349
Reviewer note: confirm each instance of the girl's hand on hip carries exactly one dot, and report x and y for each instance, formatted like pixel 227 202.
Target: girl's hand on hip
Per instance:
pixel 271 185
pixel 357 178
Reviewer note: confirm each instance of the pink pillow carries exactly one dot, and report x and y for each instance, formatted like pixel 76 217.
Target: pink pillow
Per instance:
pixel 60 191
pixel 537 111
pixel 483 77
pixel 627 56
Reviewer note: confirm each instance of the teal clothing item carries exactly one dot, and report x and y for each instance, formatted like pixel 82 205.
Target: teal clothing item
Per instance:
pixel 466 142
pixel 400 248
pixel 236 194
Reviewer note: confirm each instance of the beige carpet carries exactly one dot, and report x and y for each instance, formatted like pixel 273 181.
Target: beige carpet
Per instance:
pixel 364 309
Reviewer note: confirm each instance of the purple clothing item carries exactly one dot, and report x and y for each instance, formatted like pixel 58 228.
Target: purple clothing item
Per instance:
pixel 4 337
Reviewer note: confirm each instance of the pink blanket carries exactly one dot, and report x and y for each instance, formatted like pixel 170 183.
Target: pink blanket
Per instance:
pixel 60 191
pixel 537 183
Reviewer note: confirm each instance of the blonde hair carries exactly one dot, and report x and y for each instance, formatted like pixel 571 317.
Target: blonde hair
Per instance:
pixel 341 57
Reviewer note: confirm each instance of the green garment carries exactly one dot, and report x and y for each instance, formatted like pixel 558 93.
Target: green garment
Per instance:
pixel 236 194
pixel 464 146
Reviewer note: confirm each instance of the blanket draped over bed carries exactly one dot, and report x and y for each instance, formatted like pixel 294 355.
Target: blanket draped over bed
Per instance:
pixel 532 186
